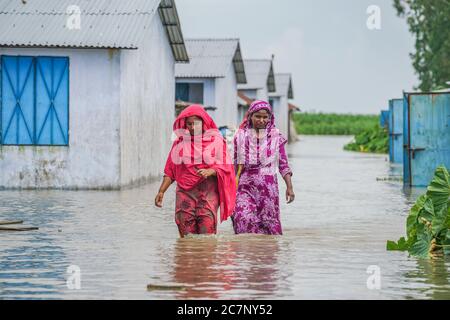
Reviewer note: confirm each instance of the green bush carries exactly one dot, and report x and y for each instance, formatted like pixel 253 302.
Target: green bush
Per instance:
pixel 374 140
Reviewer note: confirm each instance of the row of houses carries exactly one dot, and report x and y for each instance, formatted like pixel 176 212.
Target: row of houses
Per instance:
pixel 89 90
pixel 419 134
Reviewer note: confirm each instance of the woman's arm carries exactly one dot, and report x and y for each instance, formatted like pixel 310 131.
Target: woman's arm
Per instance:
pixel 290 195
pixel 165 184
pixel 286 173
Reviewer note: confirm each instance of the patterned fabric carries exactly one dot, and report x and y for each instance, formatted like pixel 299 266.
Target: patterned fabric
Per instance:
pixel 196 209
pixel 257 203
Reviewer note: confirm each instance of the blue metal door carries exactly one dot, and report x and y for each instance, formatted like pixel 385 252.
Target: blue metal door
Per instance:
pixel 384 118
pixel 17 100
pixel 396 130
pixel 427 144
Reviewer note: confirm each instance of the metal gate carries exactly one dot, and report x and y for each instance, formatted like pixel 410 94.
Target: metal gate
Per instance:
pixel 396 130
pixel 426 136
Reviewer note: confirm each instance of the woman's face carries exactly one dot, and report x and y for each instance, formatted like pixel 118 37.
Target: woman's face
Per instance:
pixel 260 119
pixel 195 125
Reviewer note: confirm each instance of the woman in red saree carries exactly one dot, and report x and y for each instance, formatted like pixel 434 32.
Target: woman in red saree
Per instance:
pixel 200 164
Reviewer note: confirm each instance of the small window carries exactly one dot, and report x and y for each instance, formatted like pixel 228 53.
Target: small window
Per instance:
pixel 34 100
pixel 271 101
pixel 189 92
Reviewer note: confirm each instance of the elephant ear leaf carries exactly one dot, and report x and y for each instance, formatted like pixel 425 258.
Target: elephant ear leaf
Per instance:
pixel 439 222
pixel 401 245
pixel 446 244
pixel 422 247
pixel 412 220
pixel 439 189
pixel 428 223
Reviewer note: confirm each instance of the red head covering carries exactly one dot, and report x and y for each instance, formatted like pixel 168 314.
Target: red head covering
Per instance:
pixel 189 154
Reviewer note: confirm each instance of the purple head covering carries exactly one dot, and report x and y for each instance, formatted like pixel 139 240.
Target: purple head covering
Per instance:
pixel 244 147
pixel 255 107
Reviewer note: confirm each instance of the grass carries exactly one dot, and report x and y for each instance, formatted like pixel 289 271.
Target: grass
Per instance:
pixel 333 124
pixel 369 136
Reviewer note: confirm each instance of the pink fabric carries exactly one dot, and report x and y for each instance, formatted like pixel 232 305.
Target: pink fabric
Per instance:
pixel 189 154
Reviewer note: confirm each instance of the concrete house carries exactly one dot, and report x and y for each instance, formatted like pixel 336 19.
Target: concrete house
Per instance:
pixel 280 101
pixel 86 91
pixel 211 78
pixel 260 82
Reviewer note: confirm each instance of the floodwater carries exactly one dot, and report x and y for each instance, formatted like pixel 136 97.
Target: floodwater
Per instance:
pixel 347 206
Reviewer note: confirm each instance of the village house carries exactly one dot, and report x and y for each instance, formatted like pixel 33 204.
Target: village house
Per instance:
pixel 260 82
pixel 280 101
pixel 87 91
pixel 211 78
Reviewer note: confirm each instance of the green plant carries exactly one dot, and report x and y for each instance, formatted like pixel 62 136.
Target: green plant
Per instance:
pixel 428 223
pixel 375 140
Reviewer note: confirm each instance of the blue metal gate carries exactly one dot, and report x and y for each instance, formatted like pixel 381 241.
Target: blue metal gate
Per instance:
pixel 34 100
pixel 426 136
pixel 384 118
pixel 396 130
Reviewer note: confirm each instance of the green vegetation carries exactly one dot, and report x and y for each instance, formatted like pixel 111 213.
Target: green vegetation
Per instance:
pixel 374 140
pixel 429 22
pixel 333 124
pixel 369 136
pixel 428 223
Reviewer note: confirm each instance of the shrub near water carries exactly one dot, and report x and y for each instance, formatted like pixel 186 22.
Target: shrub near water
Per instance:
pixel 375 140
pixel 428 223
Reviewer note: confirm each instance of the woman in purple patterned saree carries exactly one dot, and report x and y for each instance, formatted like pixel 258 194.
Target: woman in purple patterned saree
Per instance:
pixel 259 152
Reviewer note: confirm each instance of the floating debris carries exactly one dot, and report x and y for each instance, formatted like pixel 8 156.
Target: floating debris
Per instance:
pixel 2 223
pixel 395 178
pixel 18 229
pixel 166 287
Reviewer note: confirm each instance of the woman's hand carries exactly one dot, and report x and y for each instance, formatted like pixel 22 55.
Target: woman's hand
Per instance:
pixel 159 199
pixel 290 195
pixel 205 173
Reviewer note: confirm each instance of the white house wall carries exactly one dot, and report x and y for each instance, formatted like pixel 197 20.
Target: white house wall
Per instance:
pixel 262 94
pixel 226 99
pixel 92 157
pixel 147 105
pixel 281 113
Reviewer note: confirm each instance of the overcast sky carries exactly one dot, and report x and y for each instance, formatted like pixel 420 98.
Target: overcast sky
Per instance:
pixel 338 64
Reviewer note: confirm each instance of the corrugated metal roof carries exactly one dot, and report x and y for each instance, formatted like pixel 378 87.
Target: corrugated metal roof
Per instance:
pixel 259 75
pixel 284 85
pixel 169 17
pixel 104 24
pixel 212 58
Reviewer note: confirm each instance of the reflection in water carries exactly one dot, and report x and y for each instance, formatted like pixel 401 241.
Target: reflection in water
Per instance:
pixel 213 267
pixel 336 228
pixel 434 275
pixel 31 264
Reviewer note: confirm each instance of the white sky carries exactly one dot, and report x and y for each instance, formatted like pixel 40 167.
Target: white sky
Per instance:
pixel 338 64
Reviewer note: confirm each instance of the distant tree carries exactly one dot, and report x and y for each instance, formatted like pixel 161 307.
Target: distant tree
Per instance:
pixel 429 22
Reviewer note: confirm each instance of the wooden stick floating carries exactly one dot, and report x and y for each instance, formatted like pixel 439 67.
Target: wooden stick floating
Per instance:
pixel 2 223
pixel 18 229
